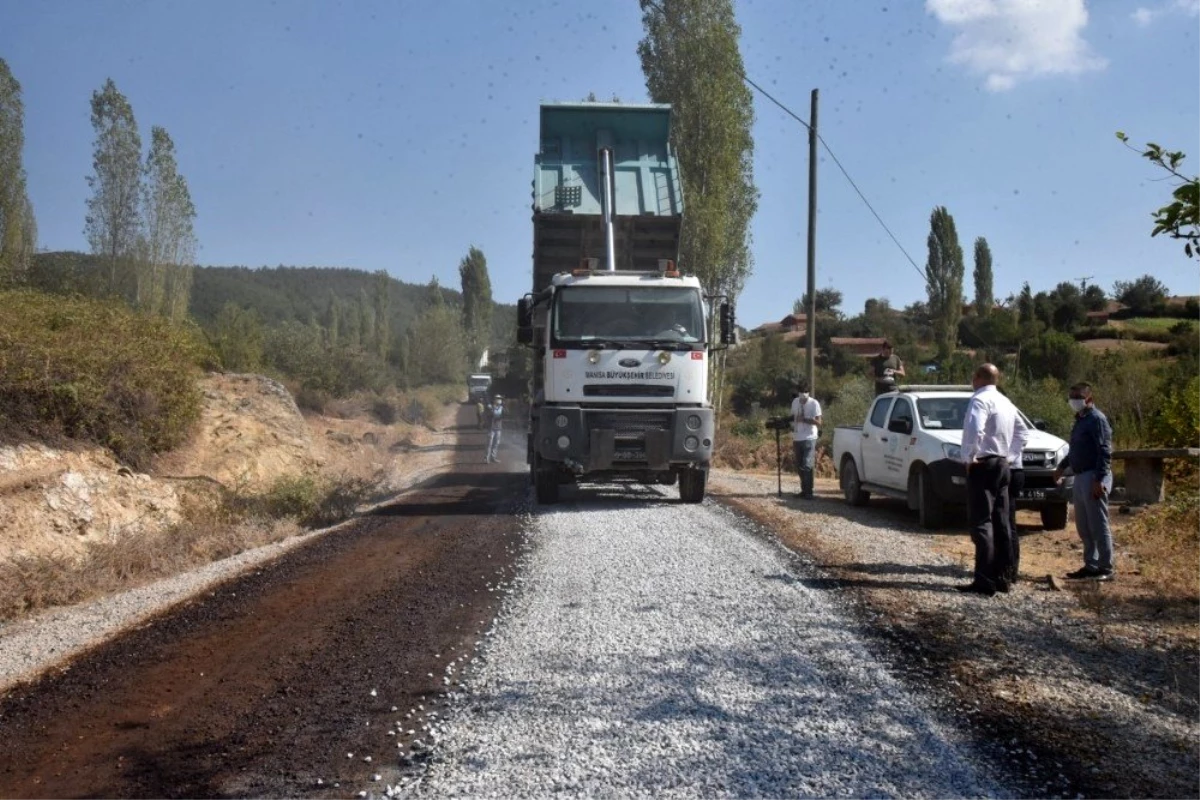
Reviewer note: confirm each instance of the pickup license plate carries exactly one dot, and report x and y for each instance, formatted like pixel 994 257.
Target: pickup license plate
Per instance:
pixel 1033 494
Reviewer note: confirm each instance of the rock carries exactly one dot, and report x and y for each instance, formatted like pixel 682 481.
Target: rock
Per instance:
pixel 1054 583
pixel 125 472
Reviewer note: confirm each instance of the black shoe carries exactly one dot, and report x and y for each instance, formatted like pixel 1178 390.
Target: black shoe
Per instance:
pixel 1103 576
pixel 804 496
pixel 975 587
pixel 1081 574
pixel 1002 585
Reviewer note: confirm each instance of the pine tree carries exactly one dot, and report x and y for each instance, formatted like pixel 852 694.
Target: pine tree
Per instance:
pixel 944 279
pixel 985 297
pixel 383 309
pixel 112 221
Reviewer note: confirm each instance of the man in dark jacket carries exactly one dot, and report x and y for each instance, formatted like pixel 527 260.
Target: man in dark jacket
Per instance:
pixel 1090 459
pixel 885 368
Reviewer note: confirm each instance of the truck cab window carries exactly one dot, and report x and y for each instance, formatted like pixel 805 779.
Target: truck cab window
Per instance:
pixel 902 410
pixel 657 314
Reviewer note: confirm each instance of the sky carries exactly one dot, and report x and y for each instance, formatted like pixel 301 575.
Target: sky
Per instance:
pixel 396 134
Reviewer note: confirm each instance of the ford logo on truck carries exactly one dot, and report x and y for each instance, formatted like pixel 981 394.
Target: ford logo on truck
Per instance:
pixel 629 362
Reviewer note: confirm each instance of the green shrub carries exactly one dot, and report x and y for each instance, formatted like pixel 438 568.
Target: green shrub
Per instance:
pixel 1044 400
pixel 97 371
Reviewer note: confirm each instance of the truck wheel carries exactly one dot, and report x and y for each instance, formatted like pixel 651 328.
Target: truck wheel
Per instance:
pixel 545 483
pixel 930 508
pixel 1054 516
pixel 691 485
pixel 851 486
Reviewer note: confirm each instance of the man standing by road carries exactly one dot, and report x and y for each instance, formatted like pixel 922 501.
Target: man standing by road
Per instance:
pixel 806 416
pixel 1090 458
pixel 991 426
pixel 885 368
pixel 497 416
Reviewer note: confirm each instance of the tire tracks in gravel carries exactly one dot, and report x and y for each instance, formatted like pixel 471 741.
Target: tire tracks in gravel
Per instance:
pixel 265 685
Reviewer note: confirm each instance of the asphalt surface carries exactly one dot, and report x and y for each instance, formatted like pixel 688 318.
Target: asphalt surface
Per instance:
pixel 289 680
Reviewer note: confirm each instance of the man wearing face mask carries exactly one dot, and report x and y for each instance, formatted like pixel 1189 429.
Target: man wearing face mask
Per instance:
pixel 1090 458
pixel 806 416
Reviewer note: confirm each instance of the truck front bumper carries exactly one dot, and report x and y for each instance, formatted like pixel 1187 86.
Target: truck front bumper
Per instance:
pixel 605 439
pixel 950 483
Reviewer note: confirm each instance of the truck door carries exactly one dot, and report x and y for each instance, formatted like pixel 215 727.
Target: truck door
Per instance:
pixel 875 441
pixel 896 449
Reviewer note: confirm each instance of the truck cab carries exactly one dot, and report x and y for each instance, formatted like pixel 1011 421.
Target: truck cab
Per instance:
pixel 909 447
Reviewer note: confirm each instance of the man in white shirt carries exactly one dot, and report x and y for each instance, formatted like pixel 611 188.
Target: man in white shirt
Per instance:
pixel 990 432
pixel 806 416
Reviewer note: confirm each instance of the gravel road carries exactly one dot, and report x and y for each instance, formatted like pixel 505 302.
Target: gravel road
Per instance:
pixel 653 648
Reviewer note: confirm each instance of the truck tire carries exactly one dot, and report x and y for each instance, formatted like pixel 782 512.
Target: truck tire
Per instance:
pixel 692 483
pixel 545 483
pixel 930 508
pixel 1054 516
pixel 851 486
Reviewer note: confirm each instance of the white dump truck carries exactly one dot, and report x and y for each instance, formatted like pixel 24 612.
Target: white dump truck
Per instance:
pixel 621 339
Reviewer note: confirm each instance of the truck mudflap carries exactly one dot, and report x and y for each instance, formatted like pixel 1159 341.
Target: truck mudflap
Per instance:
pixel 950 484
pixel 605 439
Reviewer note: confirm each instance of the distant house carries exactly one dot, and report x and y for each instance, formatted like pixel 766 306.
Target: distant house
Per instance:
pixel 792 327
pixel 1101 317
pixel 865 347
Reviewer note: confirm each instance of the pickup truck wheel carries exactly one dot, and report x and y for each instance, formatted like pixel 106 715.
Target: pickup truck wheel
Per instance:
pixel 692 483
pixel 851 486
pixel 1054 516
pixel 545 483
pixel 930 508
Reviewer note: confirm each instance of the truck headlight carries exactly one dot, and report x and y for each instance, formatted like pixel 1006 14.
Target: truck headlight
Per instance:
pixel 691 443
pixel 693 422
pixel 561 420
pixel 564 442
pixel 1060 455
pixel 952 451
pixel 664 357
pixel 593 356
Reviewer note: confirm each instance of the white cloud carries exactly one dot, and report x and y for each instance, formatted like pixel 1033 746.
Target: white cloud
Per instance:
pixel 1009 41
pixel 1144 16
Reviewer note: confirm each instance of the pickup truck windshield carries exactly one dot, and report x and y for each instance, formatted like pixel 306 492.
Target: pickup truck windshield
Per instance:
pixel 628 313
pixel 948 413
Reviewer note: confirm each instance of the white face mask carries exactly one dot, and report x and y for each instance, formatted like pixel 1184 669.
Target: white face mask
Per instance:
pixel 803 397
pixel 1077 404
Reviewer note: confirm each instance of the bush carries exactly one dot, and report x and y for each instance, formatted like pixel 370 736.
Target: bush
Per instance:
pixel 97 371
pixel 1044 400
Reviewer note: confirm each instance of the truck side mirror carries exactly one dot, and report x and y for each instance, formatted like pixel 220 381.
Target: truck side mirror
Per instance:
pixel 1040 424
pixel 728 324
pixel 903 426
pixel 524 322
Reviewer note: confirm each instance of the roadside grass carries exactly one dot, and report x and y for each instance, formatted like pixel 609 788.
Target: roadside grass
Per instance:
pixel 217 524
pixel 1166 541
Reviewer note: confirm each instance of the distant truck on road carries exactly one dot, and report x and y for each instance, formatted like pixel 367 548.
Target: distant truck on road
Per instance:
pixel 908 447
pixel 478 386
pixel 621 339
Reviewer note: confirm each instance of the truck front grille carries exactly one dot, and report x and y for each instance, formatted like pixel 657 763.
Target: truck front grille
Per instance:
pixel 629 424
pixel 627 390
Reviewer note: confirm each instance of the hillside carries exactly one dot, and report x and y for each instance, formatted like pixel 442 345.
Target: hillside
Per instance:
pixel 278 294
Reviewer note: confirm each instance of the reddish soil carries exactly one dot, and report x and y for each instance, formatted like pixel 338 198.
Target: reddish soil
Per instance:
pixel 264 685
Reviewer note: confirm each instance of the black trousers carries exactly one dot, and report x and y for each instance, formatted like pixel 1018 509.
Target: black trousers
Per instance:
pixel 1016 482
pixel 987 508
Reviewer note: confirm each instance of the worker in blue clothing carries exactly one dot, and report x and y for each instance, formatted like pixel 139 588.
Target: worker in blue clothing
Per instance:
pixel 1090 459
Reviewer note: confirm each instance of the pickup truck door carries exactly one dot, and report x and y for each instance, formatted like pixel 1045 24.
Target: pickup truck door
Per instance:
pixel 875 439
pixel 896 450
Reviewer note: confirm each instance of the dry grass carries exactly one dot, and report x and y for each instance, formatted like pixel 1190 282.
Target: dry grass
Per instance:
pixel 216 526
pixel 1166 541
pixel 738 452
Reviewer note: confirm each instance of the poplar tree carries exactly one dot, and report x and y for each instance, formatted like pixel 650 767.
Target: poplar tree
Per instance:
pixel 113 220
pixel 691 59
pixel 985 296
pixel 18 229
pixel 944 280
pixel 168 251
pixel 477 301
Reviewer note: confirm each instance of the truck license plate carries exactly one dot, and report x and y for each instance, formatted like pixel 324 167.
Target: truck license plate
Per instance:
pixel 1033 494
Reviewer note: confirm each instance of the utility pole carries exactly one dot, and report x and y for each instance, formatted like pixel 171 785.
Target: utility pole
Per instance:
pixel 811 311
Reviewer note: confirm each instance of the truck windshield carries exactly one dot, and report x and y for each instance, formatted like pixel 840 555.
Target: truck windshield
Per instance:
pixel 949 413
pixel 628 313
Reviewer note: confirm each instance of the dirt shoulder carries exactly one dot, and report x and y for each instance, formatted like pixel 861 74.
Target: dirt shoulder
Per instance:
pixel 1091 690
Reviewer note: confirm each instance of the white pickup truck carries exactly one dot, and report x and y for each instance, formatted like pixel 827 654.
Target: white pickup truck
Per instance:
pixel 908 448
